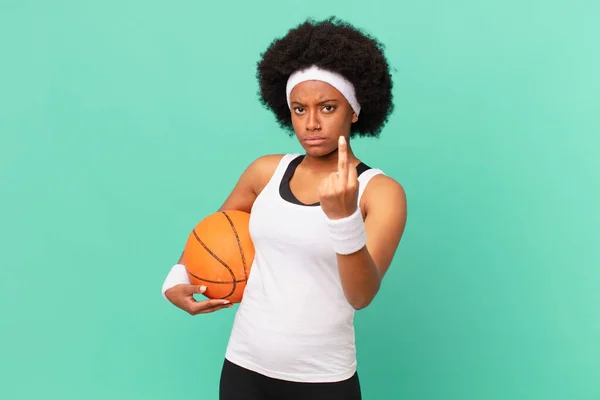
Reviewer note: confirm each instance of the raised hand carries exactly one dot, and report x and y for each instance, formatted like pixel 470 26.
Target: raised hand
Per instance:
pixel 338 193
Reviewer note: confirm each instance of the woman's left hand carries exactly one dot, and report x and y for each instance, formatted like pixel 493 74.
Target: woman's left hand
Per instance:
pixel 338 193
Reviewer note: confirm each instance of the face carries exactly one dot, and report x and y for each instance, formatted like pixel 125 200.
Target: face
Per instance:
pixel 320 115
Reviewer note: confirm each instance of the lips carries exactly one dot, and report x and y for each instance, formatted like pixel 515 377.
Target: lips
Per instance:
pixel 315 140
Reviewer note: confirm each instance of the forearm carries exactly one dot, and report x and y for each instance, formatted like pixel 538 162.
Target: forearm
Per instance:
pixel 360 277
pixel 358 273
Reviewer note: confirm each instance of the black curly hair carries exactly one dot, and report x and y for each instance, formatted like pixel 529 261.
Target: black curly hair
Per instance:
pixel 337 46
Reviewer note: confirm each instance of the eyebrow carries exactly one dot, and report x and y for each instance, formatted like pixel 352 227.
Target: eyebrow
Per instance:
pixel 321 102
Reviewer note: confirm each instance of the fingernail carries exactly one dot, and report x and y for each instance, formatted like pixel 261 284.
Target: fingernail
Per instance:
pixel 225 301
pixel 202 289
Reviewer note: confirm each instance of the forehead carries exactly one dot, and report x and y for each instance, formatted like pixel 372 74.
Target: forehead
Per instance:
pixel 314 90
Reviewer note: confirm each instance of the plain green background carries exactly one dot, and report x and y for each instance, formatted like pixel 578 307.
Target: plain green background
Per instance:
pixel 123 123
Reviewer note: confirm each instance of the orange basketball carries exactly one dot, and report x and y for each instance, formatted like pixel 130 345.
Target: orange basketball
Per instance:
pixel 219 253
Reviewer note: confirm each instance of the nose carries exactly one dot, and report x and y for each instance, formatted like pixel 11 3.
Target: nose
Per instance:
pixel 312 122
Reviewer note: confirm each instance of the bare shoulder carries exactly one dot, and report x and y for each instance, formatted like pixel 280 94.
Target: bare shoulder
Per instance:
pixel 268 161
pixel 384 193
pixel 263 168
pixel 251 182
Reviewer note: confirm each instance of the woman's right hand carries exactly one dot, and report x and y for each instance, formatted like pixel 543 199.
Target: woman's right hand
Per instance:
pixel 182 296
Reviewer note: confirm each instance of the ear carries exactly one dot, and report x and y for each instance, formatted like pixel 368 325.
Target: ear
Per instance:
pixel 354 118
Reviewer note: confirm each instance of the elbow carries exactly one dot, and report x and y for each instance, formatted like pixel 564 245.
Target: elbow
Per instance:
pixel 361 293
pixel 361 302
pixel 360 305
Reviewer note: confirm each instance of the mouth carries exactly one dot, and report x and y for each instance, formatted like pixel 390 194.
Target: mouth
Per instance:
pixel 314 140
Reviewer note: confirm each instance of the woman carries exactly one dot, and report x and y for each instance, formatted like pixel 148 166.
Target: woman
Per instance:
pixel 325 226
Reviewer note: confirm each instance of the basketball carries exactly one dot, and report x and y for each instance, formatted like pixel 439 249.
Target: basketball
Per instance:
pixel 219 253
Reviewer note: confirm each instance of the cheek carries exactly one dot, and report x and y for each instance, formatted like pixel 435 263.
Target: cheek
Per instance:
pixel 296 123
pixel 341 121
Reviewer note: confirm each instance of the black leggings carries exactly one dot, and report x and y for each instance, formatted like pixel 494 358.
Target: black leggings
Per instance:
pixel 238 383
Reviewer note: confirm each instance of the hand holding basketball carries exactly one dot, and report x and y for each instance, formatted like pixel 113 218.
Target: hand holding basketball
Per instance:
pixel 338 192
pixel 219 253
pixel 182 296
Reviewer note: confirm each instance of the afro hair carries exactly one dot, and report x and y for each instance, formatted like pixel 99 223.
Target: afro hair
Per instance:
pixel 337 46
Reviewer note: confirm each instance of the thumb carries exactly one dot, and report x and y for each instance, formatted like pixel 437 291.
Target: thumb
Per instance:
pixel 192 289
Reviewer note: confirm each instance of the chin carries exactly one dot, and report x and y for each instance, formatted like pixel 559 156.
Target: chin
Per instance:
pixel 319 151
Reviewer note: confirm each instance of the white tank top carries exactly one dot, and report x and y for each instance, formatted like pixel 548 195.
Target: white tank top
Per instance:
pixel 294 322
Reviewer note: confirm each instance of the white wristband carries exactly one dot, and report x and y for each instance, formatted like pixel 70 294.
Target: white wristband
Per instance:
pixel 347 234
pixel 176 276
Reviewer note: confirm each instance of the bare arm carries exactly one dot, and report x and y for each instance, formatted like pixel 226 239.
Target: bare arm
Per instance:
pixel 177 288
pixel 361 272
pixel 248 186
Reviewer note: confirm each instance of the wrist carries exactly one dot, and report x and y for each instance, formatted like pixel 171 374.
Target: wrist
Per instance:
pixel 347 234
pixel 177 275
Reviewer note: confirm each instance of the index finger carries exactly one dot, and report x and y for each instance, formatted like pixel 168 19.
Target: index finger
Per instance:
pixel 342 157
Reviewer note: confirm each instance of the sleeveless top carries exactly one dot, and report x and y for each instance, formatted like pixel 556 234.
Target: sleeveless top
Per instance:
pixel 294 322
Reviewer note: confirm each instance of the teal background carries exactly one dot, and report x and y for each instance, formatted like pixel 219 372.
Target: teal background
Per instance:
pixel 123 123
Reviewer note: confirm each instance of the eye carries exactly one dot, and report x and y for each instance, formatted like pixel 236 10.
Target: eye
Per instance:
pixel 328 108
pixel 298 110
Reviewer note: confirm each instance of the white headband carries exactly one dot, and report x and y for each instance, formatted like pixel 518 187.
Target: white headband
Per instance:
pixel 315 73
